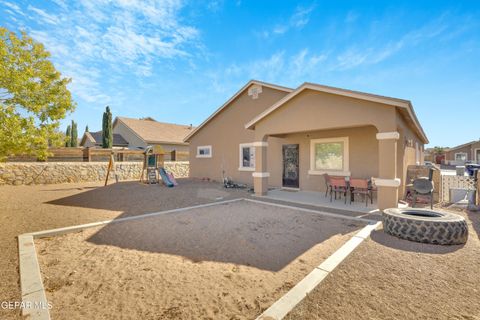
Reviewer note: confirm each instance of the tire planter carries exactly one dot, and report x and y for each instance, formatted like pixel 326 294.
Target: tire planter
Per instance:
pixel 427 226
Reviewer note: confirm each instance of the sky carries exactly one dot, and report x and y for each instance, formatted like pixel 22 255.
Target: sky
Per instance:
pixel 178 61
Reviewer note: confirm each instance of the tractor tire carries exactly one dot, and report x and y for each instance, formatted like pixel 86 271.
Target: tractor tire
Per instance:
pixel 426 226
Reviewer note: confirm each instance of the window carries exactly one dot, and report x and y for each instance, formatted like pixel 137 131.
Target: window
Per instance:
pixel 461 156
pixel 329 156
pixel 247 157
pixel 204 152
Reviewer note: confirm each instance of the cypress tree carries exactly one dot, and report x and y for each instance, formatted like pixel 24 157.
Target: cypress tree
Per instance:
pixel 68 137
pixel 107 134
pixel 86 128
pixel 74 142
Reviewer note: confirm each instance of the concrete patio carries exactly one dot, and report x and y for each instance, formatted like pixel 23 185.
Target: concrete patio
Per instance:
pixel 318 199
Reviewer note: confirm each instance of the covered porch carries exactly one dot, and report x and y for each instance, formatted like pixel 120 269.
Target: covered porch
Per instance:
pixel 329 134
pixel 318 199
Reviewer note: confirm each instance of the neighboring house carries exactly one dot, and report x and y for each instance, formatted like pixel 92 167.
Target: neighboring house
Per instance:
pixel 274 136
pixel 467 152
pixel 94 139
pixel 141 133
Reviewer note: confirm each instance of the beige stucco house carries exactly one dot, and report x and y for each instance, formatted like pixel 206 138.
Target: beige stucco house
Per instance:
pixel 140 133
pixel 467 152
pixel 273 136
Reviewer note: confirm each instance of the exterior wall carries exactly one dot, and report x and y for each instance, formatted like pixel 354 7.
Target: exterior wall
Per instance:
pixel 225 133
pixel 74 172
pixel 407 152
pixel 130 136
pixel 469 149
pixel 312 110
pixel 363 155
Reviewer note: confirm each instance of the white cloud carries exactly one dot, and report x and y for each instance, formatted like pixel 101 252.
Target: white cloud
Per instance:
pixel 48 18
pixel 113 37
pixel 299 19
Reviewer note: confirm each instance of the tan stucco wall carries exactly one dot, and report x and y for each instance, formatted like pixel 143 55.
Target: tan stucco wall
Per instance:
pixel 132 139
pixel 225 132
pixel 406 151
pixel 468 149
pixel 363 155
pixel 311 110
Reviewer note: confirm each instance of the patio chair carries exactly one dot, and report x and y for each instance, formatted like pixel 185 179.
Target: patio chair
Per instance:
pixel 338 185
pixel 327 183
pixel 360 186
pixel 424 188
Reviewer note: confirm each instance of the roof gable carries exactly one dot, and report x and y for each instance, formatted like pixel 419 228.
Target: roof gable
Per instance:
pixel 152 131
pixel 343 92
pixel 229 101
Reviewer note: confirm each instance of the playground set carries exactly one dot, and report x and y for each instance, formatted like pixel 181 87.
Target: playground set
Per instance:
pixel 152 172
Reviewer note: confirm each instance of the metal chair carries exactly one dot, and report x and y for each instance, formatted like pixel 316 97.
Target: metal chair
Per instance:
pixel 422 187
pixel 338 185
pixel 360 186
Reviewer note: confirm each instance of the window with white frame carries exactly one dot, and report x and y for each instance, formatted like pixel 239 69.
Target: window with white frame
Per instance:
pixel 329 156
pixel 461 156
pixel 246 157
pixel 204 152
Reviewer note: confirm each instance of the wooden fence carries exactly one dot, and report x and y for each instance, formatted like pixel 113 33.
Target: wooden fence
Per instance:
pixel 81 154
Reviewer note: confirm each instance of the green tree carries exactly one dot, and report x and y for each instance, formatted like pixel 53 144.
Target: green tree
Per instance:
pixel 86 128
pixel 68 137
pixel 74 138
pixel 107 134
pixel 33 97
pixel 438 150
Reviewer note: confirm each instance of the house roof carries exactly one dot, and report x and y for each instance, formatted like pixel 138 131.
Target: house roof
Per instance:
pixel 118 140
pixel 152 131
pixel 249 83
pixel 463 145
pixel 404 104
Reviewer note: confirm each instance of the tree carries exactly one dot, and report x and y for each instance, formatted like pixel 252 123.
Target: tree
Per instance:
pixel 107 135
pixel 33 97
pixel 438 150
pixel 68 137
pixel 86 128
pixel 74 138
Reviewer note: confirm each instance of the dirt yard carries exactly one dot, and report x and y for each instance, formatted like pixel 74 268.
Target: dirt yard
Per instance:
pixel 229 261
pixel 390 278
pixel 34 208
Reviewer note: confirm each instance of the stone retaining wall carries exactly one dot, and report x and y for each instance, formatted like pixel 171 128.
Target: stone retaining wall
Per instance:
pixel 19 173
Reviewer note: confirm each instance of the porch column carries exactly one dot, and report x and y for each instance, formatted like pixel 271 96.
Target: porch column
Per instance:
pixel 261 174
pixel 387 183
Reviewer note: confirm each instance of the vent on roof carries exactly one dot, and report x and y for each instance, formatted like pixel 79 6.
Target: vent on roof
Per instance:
pixel 148 119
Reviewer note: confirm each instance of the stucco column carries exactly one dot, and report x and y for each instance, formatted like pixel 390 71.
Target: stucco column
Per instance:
pixel 387 183
pixel 261 174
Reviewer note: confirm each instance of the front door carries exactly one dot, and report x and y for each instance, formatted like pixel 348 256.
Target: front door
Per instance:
pixel 290 165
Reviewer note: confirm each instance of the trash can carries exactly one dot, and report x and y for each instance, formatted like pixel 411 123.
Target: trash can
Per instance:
pixel 460 170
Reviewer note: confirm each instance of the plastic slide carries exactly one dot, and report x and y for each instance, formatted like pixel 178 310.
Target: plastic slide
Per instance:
pixel 165 178
pixel 172 179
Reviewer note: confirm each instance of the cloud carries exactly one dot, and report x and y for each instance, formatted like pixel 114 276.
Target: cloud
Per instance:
pixel 299 19
pixel 110 37
pixel 48 18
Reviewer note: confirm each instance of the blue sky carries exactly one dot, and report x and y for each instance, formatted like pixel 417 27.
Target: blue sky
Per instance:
pixel 178 61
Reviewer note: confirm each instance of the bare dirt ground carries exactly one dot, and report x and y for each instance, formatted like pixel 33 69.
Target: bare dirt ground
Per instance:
pixel 34 208
pixel 390 278
pixel 229 261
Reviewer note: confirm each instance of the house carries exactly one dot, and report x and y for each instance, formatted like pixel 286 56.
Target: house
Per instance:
pixel 140 133
pixel 467 152
pixel 272 136
pixel 94 139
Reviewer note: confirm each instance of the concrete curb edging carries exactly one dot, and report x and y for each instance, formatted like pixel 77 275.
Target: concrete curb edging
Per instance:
pixel 34 301
pixel 288 301
pixel 35 304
